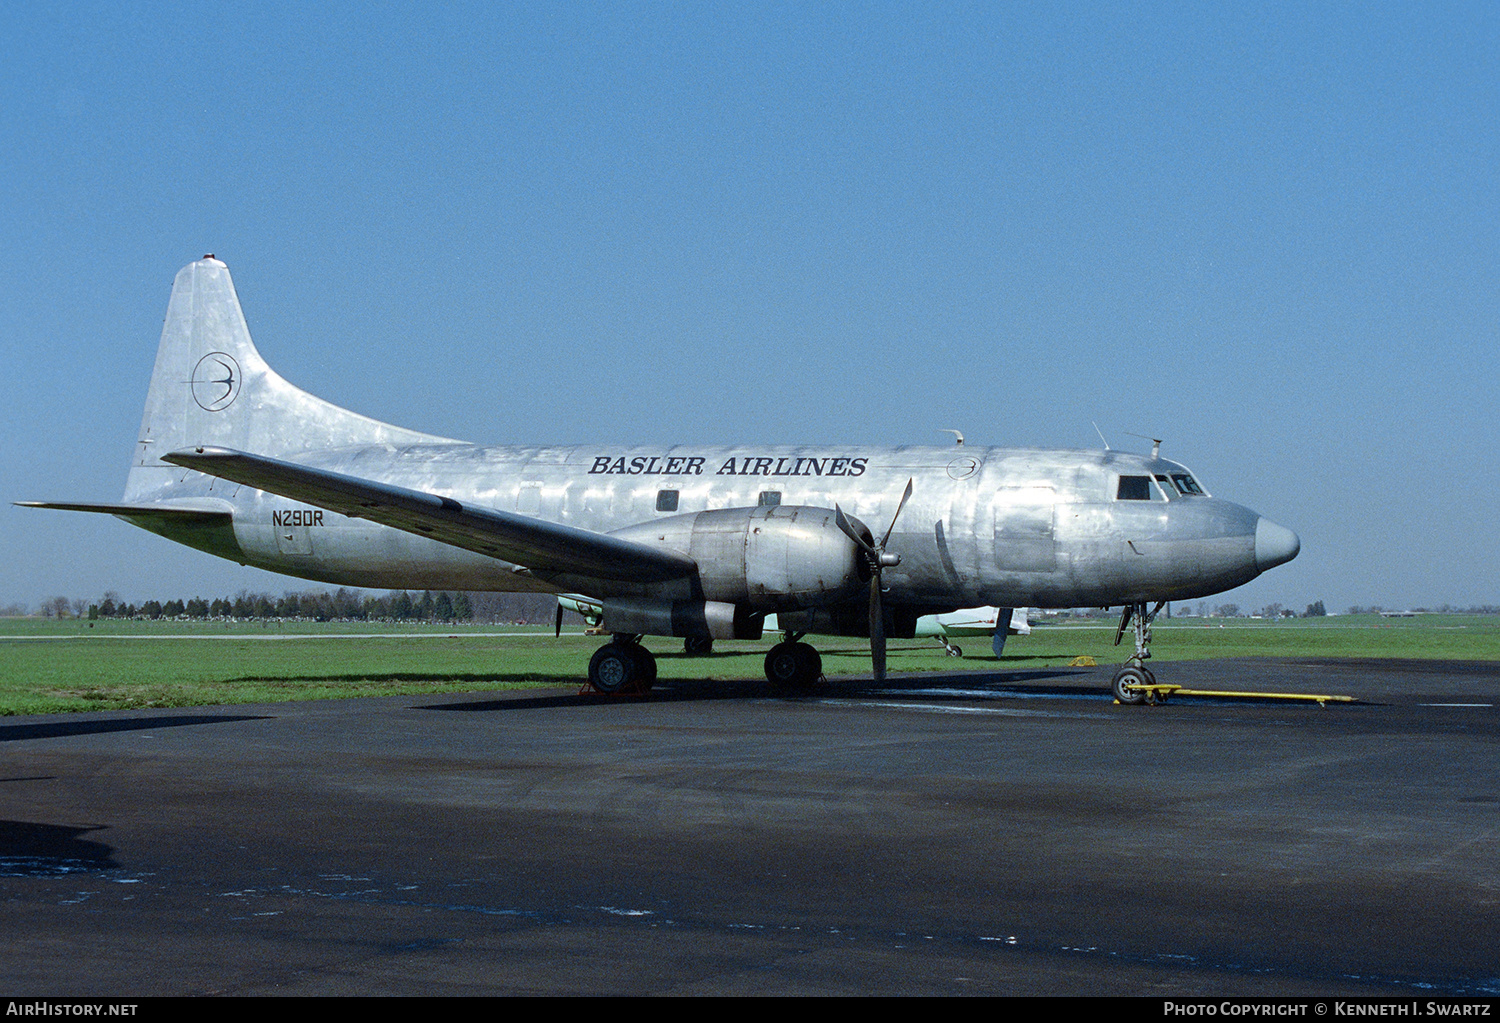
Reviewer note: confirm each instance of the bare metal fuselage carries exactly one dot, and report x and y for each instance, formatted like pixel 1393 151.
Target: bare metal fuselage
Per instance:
pixel 1010 527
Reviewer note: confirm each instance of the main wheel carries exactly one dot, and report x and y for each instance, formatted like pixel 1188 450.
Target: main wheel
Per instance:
pixel 812 663
pixel 1127 678
pixel 698 646
pixel 793 666
pixel 613 668
pixel 645 667
pixel 954 650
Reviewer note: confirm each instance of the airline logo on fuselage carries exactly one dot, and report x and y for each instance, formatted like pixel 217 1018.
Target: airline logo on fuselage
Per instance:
pixel 682 465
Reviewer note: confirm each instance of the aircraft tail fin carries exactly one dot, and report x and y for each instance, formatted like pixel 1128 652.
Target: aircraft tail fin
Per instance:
pixel 211 387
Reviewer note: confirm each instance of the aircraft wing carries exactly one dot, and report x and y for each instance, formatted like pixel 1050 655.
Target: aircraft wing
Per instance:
pixel 535 544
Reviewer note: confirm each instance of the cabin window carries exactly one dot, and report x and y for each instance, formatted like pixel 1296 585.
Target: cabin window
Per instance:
pixel 769 498
pixel 666 500
pixel 1134 488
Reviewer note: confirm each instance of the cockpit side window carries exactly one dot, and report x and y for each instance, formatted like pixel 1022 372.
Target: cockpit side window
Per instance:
pixel 1186 485
pixel 1134 488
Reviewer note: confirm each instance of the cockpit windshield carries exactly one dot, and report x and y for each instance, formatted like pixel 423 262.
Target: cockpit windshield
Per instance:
pixel 1180 483
pixel 1157 487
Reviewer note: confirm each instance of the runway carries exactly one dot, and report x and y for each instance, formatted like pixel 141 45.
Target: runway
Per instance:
pixel 1003 833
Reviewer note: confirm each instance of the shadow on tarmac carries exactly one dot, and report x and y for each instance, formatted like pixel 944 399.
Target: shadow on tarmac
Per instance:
pixel 47 850
pixel 56 729
pixel 928 687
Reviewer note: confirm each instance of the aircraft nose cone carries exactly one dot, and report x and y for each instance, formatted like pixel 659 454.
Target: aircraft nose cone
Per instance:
pixel 1274 545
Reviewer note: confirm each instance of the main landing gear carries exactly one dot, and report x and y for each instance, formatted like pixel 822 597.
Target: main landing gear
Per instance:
pixel 792 664
pixel 1132 681
pixel 622 667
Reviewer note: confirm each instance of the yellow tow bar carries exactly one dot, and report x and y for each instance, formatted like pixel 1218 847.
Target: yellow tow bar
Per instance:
pixel 1158 693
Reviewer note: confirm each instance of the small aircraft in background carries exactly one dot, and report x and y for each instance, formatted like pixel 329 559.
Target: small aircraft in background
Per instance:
pixel 977 622
pixel 689 541
pixel 973 621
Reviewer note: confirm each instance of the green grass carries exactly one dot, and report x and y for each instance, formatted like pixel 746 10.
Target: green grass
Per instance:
pixel 173 627
pixel 98 672
pixel 1437 637
pixel 140 664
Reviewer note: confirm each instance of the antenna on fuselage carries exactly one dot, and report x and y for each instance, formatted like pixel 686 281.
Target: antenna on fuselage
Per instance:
pixel 1101 435
pixel 1155 443
pixel 958 438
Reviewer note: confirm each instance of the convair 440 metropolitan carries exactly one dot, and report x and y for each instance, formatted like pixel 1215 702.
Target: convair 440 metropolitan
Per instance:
pixel 695 542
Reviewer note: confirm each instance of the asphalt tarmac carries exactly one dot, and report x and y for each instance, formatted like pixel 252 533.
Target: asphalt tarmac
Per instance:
pixel 1004 833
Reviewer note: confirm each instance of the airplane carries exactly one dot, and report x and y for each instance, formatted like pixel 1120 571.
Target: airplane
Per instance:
pixel 975 621
pixel 685 541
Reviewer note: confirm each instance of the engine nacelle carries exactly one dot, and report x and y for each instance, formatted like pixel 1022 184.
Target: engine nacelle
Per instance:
pixel 772 558
pixel 712 619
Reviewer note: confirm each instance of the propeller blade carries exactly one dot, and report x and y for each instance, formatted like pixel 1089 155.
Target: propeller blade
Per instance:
pixel 877 629
pixel 1002 629
pixel 904 498
pixel 557 632
pixel 843 523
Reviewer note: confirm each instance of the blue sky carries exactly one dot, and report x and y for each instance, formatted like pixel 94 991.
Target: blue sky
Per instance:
pixel 1266 235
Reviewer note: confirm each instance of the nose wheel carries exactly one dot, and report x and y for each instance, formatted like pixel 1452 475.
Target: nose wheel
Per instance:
pixel 1130 682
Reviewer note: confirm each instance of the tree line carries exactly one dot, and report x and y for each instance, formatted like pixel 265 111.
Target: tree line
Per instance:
pixel 321 606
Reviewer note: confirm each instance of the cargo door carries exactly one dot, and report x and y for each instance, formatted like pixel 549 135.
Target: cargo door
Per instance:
pixel 1024 537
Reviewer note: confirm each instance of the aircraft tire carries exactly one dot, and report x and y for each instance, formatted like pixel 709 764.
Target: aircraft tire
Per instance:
pixel 793 666
pixel 954 650
pixel 698 646
pixel 812 662
pixel 645 667
pixel 1131 676
pixel 614 668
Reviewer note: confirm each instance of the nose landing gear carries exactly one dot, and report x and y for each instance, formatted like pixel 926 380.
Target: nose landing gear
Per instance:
pixel 1132 683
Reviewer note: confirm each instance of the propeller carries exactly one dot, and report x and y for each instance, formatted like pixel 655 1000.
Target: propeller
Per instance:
pixel 557 630
pixel 878 559
pixel 1002 630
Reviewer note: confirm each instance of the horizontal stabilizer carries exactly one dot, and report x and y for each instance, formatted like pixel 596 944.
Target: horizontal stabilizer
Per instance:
pixel 178 512
pixel 543 547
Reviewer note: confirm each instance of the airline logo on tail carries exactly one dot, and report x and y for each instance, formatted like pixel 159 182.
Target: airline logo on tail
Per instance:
pixel 216 381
